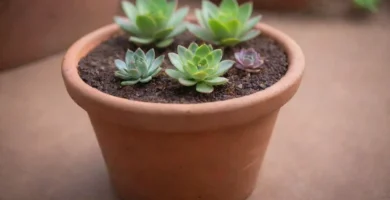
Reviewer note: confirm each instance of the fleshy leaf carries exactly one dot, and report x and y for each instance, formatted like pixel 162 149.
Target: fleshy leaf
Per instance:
pixel 134 74
pixel 190 68
pixel 150 56
pixel 229 6
pixel 142 6
pixel 120 64
pixel 250 24
pixel 193 46
pixel 174 73
pixel 138 40
pixel 217 81
pixel 245 12
pixel 145 80
pixel 202 51
pixel 201 20
pixel 130 10
pixel 156 64
pixel 181 52
pixel 178 30
pixel 121 75
pixel 230 41
pixel 200 32
pixel 209 9
pixel 126 25
pixel 204 88
pixel 233 27
pixel 129 56
pixel 171 7
pixel 162 33
pixel 156 72
pixel 164 43
pixel 187 82
pixel 217 56
pixel 219 30
pixel 178 17
pixel 250 35
pixel 124 83
pixel 201 75
pixel 140 53
pixel 175 60
pixel 143 69
pixel 224 66
pixel 146 24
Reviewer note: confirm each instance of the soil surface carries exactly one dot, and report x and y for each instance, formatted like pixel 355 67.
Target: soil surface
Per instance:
pixel 97 70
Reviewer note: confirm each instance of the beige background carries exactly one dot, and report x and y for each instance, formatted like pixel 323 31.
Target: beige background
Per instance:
pixel 32 29
pixel 332 141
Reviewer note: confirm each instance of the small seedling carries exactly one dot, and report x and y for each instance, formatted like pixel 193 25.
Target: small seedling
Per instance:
pixel 249 60
pixel 200 66
pixel 138 67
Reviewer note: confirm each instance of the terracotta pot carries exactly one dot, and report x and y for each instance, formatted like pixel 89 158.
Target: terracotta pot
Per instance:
pixel 286 5
pixel 208 151
pixel 35 28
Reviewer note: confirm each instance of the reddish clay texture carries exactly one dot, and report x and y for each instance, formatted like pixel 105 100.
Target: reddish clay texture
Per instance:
pixel 208 151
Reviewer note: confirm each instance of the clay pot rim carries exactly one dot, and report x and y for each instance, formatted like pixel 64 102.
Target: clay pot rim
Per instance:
pixel 80 48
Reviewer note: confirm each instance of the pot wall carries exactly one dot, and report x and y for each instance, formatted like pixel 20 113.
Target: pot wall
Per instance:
pixel 220 164
pixel 33 29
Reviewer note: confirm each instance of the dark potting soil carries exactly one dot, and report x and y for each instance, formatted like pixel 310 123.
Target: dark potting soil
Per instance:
pixel 97 70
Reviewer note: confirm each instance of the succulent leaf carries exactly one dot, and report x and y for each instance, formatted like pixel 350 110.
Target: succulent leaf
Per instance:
pixel 250 24
pixel 124 83
pixel 150 56
pixel 178 17
pixel 217 81
pixel 138 67
pixel 130 10
pixel 175 60
pixel 174 73
pixel 200 66
pixel 186 82
pixel 164 43
pixel 141 40
pixel 245 11
pixel 250 35
pixel 204 88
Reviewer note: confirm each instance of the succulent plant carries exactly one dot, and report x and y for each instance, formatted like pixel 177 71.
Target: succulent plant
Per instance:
pixel 249 60
pixel 138 67
pixel 152 21
pixel 227 25
pixel 200 66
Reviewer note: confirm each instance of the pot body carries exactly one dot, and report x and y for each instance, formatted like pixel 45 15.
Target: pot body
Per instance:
pixel 209 151
pixel 220 164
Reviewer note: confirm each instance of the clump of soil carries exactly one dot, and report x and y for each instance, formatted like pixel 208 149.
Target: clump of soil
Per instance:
pixel 97 70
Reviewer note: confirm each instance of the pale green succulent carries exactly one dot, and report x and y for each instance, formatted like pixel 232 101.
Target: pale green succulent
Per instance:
pixel 138 67
pixel 152 21
pixel 227 25
pixel 200 66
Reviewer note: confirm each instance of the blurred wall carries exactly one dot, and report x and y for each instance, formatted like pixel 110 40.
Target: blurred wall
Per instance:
pixel 32 29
